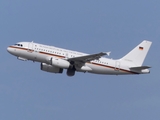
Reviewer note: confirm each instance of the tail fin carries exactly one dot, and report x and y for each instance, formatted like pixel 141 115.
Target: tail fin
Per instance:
pixel 138 54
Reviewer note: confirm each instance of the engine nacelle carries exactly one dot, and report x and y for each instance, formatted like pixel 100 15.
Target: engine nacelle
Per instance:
pixel 50 68
pixel 60 63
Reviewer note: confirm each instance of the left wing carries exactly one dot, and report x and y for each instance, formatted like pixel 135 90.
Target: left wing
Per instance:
pixel 88 58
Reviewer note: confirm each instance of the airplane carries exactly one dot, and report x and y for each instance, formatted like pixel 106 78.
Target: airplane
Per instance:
pixel 55 60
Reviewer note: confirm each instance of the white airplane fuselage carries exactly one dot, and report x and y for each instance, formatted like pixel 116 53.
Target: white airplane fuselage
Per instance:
pixel 54 59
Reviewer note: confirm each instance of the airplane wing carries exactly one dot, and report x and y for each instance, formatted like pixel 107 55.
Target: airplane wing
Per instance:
pixel 88 58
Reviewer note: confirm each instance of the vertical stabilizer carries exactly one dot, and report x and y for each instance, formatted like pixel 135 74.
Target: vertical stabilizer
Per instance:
pixel 138 54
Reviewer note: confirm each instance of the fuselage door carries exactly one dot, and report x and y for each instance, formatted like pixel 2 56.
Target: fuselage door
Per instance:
pixel 67 55
pixel 117 65
pixel 30 47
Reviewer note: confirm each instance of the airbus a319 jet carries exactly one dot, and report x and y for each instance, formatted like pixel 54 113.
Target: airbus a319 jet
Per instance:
pixel 55 60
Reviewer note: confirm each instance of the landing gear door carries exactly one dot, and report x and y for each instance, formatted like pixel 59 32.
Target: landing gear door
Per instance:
pixel 30 47
pixel 117 65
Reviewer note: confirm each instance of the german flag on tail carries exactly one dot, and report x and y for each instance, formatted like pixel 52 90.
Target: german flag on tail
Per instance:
pixel 140 48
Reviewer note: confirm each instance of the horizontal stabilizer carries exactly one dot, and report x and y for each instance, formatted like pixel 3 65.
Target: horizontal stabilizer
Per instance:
pixel 140 68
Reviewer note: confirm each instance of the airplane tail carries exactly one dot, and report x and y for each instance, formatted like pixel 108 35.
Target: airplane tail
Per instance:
pixel 138 54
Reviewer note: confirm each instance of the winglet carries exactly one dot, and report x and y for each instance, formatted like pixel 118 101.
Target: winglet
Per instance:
pixel 108 53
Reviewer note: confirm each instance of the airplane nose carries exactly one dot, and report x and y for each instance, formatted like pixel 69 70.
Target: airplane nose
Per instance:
pixel 8 49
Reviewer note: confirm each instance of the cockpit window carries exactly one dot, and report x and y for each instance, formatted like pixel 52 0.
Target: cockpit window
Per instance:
pixel 20 45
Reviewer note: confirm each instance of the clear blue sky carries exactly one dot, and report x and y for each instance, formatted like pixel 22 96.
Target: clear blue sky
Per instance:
pixel 91 26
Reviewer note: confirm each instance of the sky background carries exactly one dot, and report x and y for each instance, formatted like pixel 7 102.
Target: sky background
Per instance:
pixel 91 26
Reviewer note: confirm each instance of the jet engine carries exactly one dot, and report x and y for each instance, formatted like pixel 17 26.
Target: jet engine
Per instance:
pixel 50 68
pixel 60 63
